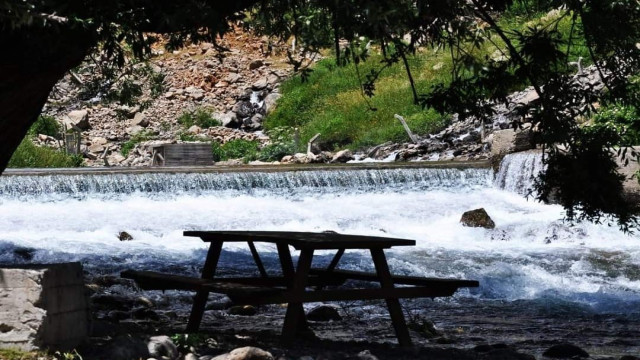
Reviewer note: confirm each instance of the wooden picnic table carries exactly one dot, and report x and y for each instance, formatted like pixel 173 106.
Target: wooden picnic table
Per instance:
pixel 291 287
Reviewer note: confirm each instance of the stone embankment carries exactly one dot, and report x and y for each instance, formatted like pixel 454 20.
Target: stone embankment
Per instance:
pixel 237 87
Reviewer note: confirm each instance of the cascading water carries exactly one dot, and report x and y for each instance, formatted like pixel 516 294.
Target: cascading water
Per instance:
pixel 518 171
pixel 531 255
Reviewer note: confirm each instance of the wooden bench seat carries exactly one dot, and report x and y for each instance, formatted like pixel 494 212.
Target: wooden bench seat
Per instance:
pixel 343 275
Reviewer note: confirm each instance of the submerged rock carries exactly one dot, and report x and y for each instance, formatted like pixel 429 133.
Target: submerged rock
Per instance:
pixel 565 351
pixel 477 218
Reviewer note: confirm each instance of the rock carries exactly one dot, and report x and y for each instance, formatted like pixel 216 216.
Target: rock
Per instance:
pixel 270 102
pixel 508 141
pixel 194 129
pixel 139 120
pixel 229 120
pixel 255 64
pixel 24 253
pixel 243 310
pixel 247 353
pixel 232 78
pixel 342 156
pixel 253 123
pixel 162 346
pixel 629 357
pixel 260 84
pixel 477 218
pixel 96 148
pixel 300 158
pixel 115 159
pixel 78 118
pixel 244 109
pixel 366 355
pixel 124 236
pixel 324 313
pixel 99 141
pixel 132 130
pixel 191 356
pixel 565 351
pixel 145 314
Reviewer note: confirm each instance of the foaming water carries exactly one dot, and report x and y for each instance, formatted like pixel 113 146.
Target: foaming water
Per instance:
pixel 530 255
pixel 518 171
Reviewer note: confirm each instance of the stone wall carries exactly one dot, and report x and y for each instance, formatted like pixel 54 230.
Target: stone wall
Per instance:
pixel 43 306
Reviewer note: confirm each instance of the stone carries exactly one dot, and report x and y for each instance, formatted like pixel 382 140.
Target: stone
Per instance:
pixel 99 141
pixel 139 120
pixel 366 355
pixel 244 109
pixel 232 78
pixel 161 346
pixel 115 159
pixel 477 218
pixel 247 353
pixel 194 129
pixel 24 253
pixel 260 84
pixel 270 102
pixel 508 141
pixel 191 356
pixel 48 307
pixel 229 120
pixel 78 118
pixel 255 64
pixel 124 236
pixel 342 156
pixel 96 148
pixel 324 313
pixel 565 351
pixel 132 130
pixel 243 310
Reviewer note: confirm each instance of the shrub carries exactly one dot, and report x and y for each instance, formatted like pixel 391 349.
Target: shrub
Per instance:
pixel 200 117
pixel 46 125
pixel 235 149
pixel 135 139
pixel 282 143
pixel 625 119
pixel 28 155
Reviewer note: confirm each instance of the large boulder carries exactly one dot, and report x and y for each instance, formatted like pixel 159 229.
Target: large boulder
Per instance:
pixel 246 353
pixel 509 141
pixel 342 156
pixel 270 102
pixel 477 218
pixel 161 347
pixel 77 118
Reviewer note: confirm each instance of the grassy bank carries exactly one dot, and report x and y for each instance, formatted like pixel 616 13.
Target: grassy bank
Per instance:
pixel 331 102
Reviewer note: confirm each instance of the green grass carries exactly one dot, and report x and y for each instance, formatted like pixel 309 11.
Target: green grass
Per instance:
pixel 134 140
pixel 332 104
pixel 46 125
pixel 28 155
pixel 236 149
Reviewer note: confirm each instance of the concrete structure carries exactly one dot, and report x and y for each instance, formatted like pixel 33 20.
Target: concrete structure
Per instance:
pixel 43 306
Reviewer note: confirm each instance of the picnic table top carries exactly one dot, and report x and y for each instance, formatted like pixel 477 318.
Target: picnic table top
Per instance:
pixel 304 240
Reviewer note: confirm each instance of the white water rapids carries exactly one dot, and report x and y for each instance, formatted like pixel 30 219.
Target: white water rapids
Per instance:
pixel 530 255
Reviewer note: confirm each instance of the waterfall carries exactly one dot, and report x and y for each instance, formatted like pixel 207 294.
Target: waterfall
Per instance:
pixel 109 185
pixel 518 172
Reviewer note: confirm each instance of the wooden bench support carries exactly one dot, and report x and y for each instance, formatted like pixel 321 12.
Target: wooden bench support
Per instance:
pixel 397 279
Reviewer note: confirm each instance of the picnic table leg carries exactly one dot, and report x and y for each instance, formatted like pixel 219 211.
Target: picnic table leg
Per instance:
pixel 257 259
pixel 395 311
pixel 200 300
pixel 288 272
pixel 295 312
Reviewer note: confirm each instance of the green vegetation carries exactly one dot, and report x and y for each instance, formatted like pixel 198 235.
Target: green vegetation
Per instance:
pixel 28 155
pixel 282 143
pixel 200 117
pixel 624 119
pixel 235 149
pixel 331 103
pixel 134 140
pixel 46 125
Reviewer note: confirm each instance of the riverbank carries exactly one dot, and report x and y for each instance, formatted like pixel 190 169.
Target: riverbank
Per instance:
pixel 451 328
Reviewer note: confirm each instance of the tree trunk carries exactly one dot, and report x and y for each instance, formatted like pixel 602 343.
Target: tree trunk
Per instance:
pixel 31 62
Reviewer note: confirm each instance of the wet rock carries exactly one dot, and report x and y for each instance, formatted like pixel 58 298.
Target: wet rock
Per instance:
pixel 145 314
pixel 24 253
pixel 162 347
pixel 477 218
pixel 124 236
pixel 244 109
pixel 366 355
pixel 243 310
pixel 117 315
pixel 565 351
pixel 324 313
pixel 342 156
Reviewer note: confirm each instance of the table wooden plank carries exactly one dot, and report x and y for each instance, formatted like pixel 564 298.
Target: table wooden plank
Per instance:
pixel 304 240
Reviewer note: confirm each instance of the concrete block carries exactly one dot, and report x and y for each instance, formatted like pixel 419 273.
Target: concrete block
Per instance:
pixel 43 306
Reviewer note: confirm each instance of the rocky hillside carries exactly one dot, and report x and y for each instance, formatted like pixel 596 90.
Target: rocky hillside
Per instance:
pixel 236 87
